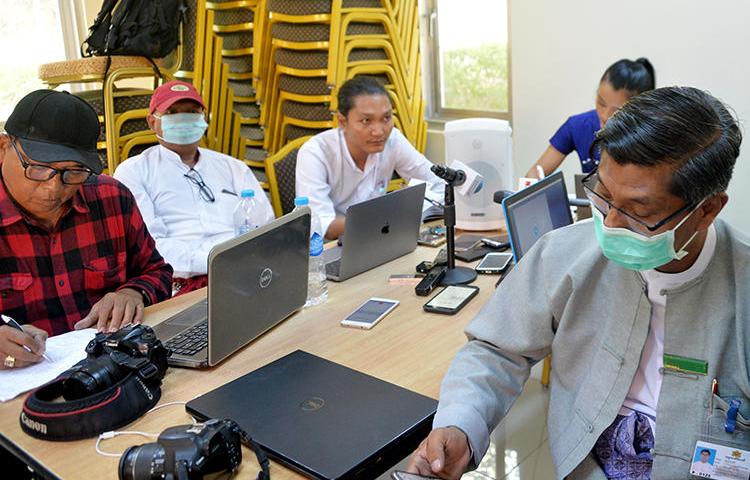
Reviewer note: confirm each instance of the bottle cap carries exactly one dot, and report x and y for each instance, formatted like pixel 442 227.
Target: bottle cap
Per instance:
pixel 249 193
pixel 301 201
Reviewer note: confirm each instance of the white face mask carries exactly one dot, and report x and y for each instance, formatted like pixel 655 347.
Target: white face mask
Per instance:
pixel 182 128
pixel 636 251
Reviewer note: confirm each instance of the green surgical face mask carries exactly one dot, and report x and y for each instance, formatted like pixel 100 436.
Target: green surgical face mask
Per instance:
pixel 635 251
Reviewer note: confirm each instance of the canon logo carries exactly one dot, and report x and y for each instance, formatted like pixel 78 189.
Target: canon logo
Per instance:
pixel 39 427
pixel 145 389
pixel 265 277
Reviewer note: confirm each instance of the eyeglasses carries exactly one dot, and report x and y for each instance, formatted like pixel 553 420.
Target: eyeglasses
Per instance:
pixel 43 173
pixel 203 189
pixel 591 182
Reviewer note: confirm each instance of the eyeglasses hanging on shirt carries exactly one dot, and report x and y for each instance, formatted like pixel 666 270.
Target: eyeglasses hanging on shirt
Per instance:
pixel 204 190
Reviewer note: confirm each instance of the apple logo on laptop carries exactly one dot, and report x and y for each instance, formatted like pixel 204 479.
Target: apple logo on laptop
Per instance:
pixel 386 229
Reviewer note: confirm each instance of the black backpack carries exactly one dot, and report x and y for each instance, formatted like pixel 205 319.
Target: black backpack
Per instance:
pixel 148 28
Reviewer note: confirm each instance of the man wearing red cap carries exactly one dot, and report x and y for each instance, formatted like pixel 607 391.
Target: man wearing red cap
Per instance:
pixel 186 194
pixel 74 251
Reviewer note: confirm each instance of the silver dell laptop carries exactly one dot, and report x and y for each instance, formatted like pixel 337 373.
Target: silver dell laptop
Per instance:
pixel 255 281
pixel 376 232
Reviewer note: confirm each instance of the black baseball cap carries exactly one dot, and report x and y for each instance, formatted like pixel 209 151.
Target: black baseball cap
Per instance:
pixel 54 126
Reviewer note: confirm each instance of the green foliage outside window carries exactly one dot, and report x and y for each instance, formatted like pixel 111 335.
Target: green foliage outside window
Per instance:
pixel 476 78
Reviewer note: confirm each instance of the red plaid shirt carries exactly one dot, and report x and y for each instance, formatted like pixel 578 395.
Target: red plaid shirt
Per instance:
pixel 52 279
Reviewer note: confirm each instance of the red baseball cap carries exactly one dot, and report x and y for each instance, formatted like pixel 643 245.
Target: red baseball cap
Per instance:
pixel 172 92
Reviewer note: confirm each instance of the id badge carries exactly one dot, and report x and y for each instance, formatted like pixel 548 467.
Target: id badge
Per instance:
pixel 722 450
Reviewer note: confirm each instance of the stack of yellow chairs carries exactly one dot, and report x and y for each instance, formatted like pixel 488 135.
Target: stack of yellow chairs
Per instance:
pixel 122 109
pixel 307 49
pixel 229 57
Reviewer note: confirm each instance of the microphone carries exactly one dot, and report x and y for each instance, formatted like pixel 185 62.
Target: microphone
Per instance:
pixel 450 175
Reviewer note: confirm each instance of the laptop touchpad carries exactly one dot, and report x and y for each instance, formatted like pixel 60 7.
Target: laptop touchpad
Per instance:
pixel 192 315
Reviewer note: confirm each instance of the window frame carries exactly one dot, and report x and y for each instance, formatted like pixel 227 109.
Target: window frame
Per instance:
pixel 433 72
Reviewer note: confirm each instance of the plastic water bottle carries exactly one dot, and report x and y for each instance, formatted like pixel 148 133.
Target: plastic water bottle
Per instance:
pixel 317 290
pixel 246 213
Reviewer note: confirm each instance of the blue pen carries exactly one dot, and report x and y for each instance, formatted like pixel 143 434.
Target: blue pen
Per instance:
pixel 731 422
pixel 12 323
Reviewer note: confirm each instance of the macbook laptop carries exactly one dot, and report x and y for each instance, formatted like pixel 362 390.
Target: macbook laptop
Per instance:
pixel 534 211
pixel 322 419
pixel 376 232
pixel 255 281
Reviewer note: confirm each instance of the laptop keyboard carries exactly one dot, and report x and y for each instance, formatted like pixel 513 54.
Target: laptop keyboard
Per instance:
pixel 333 268
pixel 191 341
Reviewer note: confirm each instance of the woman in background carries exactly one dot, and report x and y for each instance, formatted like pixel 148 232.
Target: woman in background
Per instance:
pixel 622 80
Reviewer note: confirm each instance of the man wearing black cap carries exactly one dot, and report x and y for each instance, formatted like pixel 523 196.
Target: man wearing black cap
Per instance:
pixel 74 251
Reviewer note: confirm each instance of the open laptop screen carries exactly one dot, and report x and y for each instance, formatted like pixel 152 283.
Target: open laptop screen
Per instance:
pixel 536 210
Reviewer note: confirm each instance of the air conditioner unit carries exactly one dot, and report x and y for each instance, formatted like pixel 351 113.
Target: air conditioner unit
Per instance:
pixel 484 145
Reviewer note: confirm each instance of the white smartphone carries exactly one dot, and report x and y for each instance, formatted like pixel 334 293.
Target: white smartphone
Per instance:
pixel 494 262
pixel 370 313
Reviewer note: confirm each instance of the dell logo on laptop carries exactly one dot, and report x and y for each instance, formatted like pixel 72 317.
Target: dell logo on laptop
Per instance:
pixel 265 277
pixel 312 404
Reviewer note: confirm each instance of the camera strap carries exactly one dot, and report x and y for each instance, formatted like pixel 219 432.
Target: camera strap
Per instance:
pixel 43 417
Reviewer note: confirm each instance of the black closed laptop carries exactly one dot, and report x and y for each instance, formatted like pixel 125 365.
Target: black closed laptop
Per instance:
pixel 322 419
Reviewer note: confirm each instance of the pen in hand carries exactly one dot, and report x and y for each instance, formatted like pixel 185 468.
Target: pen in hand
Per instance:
pixel 13 324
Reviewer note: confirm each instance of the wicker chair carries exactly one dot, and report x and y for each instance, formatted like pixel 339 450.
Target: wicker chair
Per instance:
pixel 281 171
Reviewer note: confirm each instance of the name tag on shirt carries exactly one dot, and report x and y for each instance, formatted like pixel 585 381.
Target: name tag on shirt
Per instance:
pixel 685 364
pixel 720 462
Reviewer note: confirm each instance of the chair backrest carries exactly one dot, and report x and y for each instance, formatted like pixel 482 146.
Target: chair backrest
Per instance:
pixel 280 168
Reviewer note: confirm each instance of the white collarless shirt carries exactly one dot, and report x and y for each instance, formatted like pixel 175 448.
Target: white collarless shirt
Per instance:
pixel 183 224
pixel 327 175
pixel 643 395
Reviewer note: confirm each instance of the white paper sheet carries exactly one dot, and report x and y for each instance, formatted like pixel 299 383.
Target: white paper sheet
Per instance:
pixel 64 351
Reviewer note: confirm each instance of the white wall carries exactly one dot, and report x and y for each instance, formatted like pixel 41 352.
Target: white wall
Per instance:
pixel 561 48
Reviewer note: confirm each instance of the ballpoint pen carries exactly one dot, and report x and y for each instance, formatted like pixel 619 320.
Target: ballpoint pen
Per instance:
pixel 434 202
pixel 13 324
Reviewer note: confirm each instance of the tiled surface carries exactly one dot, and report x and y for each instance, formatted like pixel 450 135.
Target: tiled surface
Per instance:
pixel 522 439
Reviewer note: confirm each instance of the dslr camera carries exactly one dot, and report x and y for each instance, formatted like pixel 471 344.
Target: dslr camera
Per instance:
pixel 185 452
pixel 111 357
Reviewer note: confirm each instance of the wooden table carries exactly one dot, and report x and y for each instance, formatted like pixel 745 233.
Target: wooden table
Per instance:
pixel 409 347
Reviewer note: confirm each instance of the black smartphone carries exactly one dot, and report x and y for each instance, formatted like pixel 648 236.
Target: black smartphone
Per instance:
pixel 494 262
pixel 451 299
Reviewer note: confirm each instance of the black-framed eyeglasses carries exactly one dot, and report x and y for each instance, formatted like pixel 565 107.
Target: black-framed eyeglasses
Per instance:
pixel 203 189
pixel 591 182
pixel 43 173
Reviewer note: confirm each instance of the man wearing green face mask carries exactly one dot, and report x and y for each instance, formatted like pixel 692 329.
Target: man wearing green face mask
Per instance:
pixel 641 309
pixel 187 194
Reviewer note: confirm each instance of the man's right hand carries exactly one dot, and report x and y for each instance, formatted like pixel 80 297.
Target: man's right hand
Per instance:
pixel 13 340
pixel 445 453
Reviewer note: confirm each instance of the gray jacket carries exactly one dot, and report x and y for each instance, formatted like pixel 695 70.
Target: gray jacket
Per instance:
pixel 567 299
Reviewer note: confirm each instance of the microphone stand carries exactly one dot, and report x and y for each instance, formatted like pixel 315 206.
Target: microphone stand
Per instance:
pixel 453 275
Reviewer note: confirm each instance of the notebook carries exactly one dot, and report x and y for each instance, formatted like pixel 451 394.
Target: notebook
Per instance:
pixel 376 232
pixel 534 211
pixel 255 281
pixel 322 419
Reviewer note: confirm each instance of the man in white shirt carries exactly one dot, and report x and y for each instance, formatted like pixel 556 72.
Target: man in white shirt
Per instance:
pixel 703 468
pixel 186 194
pixel 354 162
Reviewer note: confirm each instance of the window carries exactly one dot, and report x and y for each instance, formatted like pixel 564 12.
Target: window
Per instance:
pixel 31 34
pixel 469 58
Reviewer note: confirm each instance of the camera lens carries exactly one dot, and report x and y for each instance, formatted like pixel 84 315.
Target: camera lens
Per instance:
pixel 142 462
pixel 91 377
